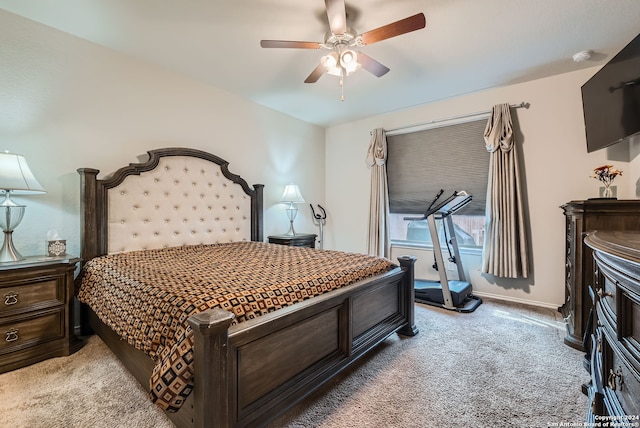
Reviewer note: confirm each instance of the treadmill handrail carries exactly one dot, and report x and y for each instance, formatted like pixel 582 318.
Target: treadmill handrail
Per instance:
pixel 448 206
pixel 457 203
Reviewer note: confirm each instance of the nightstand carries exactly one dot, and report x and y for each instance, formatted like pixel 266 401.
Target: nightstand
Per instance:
pixel 299 240
pixel 36 310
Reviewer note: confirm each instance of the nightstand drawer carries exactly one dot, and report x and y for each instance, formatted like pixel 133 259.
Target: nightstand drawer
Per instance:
pixel 28 296
pixel 29 331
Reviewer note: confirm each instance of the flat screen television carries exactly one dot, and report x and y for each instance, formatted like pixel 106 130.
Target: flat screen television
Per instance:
pixel 611 99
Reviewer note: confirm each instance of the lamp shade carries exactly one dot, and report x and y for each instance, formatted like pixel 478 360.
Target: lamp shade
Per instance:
pixel 292 194
pixel 15 175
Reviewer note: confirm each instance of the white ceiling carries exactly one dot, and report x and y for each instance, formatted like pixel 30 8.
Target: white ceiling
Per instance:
pixel 467 46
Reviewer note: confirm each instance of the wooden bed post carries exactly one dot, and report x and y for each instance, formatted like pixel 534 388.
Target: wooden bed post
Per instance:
pixel 88 229
pixel 213 392
pixel 88 213
pixel 408 265
pixel 256 209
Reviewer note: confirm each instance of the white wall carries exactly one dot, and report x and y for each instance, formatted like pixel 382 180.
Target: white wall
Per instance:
pixel 557 169
pixel 67 103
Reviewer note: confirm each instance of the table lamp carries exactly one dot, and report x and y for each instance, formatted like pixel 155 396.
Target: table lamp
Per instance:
pixel 291 196
pixel 15 179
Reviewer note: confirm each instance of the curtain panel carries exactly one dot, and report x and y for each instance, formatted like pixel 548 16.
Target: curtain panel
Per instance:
pixel 505 252
pixel 378 240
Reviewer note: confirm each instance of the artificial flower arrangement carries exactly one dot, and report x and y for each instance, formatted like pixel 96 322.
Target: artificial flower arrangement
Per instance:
pixel 606 174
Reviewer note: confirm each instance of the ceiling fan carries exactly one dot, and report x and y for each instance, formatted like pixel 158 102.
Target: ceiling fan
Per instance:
pixel 343 60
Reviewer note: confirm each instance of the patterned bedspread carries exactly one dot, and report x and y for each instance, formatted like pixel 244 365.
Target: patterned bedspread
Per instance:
pixel 147 296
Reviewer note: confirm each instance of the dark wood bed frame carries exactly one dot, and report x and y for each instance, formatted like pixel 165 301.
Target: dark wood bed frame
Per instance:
pixel 250 373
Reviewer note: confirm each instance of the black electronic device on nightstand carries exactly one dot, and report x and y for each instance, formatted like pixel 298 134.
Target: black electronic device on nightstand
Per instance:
pixel 297 240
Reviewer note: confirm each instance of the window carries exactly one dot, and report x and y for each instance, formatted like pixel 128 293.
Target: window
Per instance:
pixel 419 164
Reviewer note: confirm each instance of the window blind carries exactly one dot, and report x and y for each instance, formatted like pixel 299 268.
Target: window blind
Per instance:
pixel 451 157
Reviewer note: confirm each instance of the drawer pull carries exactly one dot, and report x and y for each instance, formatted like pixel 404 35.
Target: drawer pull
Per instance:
pixel 601 293
pixel 10 299
pixel 611 380
pixel 12 335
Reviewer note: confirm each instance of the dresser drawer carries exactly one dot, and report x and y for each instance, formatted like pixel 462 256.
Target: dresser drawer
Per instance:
pixel 626 385
pixel 16 298
pixel 607 295
pixel 39 327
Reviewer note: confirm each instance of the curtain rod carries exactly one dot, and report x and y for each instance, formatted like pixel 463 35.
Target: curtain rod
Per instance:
pixel 521 105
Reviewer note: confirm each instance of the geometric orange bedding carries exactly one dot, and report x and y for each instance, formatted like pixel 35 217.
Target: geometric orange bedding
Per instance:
pixel 147 296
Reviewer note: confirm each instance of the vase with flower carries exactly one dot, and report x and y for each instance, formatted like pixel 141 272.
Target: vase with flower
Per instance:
pixel 606 175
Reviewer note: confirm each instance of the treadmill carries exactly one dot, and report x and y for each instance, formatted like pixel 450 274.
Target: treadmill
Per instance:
pixel 455 295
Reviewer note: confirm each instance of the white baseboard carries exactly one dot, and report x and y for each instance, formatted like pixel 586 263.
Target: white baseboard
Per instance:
pixel 516 300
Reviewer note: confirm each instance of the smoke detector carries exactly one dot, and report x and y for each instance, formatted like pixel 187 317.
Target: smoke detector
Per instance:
pixel 582 56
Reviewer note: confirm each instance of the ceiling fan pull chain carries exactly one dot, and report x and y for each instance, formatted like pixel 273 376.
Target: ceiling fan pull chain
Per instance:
pixel 342 87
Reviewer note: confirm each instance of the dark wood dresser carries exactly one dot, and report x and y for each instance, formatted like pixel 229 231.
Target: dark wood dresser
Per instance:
pixel 581 217
pixel 36 311
pixel 614 389
pixel 298 240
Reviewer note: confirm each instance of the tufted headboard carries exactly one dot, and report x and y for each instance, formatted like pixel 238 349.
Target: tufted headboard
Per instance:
pixel 179 196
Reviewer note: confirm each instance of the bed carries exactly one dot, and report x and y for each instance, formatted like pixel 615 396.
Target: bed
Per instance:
pixel 181 200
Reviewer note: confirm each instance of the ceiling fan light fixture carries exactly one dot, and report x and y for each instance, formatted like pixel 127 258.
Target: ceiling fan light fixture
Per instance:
pixel 331 64
pixel 330 60
pixel 349 61
pixel 348 58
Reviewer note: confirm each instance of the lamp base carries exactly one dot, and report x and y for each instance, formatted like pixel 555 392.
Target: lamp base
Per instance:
pixel 291 231
pixel 292 211
pixel 8 252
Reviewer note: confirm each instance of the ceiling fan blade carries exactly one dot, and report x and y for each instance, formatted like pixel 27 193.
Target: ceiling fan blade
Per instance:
pixel 371 65
pixel 289 44
pixel 412 23
pixel 337 14
pixel 315 74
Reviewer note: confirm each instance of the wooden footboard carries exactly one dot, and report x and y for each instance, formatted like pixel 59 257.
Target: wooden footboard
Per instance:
pixel 250 373
pixel 264 366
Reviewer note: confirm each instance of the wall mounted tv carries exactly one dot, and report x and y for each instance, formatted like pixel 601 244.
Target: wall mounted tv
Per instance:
pixel 611 99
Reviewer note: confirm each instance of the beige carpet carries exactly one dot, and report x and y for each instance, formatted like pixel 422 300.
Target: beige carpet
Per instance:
pixel 502 365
